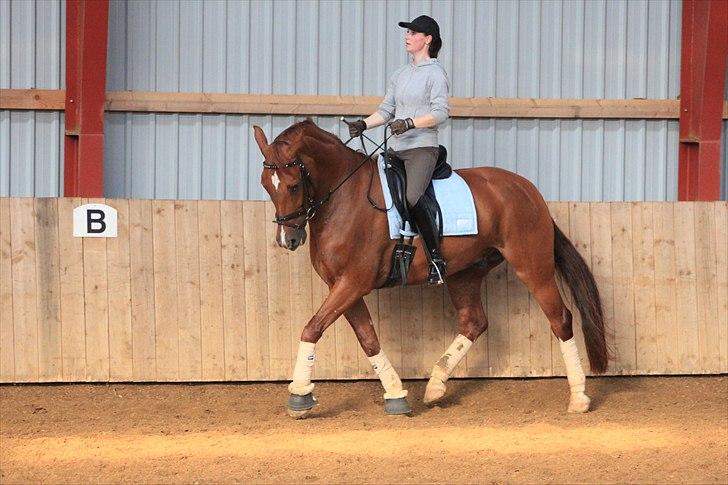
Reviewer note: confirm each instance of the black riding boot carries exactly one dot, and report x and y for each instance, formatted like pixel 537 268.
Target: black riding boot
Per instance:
pixel 431 241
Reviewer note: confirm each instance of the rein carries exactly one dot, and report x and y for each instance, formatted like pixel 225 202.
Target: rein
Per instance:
pixel 314 205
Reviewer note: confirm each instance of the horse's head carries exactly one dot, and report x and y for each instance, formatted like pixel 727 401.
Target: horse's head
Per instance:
pixel 288 183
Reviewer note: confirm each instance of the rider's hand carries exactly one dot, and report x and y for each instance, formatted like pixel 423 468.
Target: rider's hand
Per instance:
pixel 400 126
pixel 357 128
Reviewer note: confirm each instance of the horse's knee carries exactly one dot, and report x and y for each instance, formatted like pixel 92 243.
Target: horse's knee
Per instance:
pixel 561 326
pixel 472 322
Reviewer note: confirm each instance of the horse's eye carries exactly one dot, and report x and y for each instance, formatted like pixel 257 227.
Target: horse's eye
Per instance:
pixel 293 189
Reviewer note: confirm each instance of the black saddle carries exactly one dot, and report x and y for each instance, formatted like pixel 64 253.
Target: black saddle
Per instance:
pixel 397 182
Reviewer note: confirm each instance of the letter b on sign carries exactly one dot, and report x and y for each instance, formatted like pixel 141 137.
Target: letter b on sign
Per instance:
pixel 94 220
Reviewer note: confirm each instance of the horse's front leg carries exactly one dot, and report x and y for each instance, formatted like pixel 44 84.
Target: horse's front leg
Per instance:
pixel 340 299
pixel 395 401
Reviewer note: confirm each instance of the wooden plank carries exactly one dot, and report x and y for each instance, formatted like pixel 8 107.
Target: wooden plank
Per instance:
pixel 412 343
pixel 498 330
pixel 96 297
pixel 50 366
pixel 7 339
pixel 233 290
pixel 73 317
pixel 33 99
pixel 560 214
pixel 361 105
pixel 721 237
pixel 187 234
pixel 580 236
pixel 644 288
pixel 601 266
pixel 256 290
pixel 434 327
pixel 279 314
pixel 623 276
pixel 667 354
pixel 141 262
pixel 686 294
pixel 518 326
pixel 390 325
pixel 176 102
pixel 211 306
pixel 165 291
pixel 707 286
pixel 121 358
pixel 451 325
pixel 25 321
pixel 300 296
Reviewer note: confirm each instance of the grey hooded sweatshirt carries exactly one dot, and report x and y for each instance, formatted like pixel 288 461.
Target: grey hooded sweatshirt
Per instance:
pixel 415 90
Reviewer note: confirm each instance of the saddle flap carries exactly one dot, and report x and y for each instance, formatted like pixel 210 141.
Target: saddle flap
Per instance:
pixel 397 181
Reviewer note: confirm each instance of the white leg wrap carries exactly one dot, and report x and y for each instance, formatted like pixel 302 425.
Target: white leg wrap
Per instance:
pixel 574 372
pixel 301 384
pixel 390 380
pixel 579 401
pixel 443 369
pixel 451 358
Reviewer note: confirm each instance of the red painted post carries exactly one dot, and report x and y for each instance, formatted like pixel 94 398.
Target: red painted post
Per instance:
pixel 86 38
pixel 702 85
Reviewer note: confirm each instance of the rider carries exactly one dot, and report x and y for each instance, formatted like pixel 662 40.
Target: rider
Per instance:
pixel 417 99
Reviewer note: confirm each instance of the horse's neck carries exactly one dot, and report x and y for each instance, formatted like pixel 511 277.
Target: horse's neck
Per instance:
pixel 344 206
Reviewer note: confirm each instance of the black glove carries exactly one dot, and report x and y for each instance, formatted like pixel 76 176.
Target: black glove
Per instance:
pixel 356 128
pixel 400 126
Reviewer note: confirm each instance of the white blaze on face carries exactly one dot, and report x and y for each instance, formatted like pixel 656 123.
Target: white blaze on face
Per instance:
pixel 276 181
pixel 281 239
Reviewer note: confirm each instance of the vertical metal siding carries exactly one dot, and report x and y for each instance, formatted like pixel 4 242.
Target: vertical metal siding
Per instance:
pixel 552 48
pixel 32 55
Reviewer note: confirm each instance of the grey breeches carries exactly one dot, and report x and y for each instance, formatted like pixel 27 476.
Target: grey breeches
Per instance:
pixel 419 163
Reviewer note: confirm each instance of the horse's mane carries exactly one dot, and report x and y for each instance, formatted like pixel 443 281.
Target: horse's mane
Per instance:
pixel 305 126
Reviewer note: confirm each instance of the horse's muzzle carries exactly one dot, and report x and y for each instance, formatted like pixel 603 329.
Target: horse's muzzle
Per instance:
pixel 290 238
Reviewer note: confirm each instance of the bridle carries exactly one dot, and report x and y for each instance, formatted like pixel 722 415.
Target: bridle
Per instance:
pixel 313 204
pixel 310 205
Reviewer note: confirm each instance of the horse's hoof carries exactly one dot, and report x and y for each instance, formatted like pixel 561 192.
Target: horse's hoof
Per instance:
pixel 300 406
pixel 434 391
pixel 298 414
pixel 579 403
pixel 394 407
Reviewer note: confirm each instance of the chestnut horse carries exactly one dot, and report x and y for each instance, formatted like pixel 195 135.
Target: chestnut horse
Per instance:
pixel 312 177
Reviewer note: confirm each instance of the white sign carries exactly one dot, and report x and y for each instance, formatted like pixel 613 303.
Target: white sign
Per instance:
pixel 94 220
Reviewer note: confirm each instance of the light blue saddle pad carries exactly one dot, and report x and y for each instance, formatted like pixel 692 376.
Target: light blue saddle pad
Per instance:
pixel 456 203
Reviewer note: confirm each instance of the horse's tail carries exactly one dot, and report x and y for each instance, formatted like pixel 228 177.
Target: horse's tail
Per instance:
pixel 580 279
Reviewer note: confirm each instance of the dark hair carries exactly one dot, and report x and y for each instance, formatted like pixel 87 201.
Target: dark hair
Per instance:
pixel 435 46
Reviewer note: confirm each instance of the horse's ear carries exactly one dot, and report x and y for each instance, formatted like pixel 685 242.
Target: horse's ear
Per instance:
pixel 260 137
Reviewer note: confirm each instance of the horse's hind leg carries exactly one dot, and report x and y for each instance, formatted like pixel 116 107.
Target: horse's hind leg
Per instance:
pixel 464 289
pixel 537 270
pixel 394 395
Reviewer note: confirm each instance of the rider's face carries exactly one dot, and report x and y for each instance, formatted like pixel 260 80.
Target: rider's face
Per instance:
pixel 415 42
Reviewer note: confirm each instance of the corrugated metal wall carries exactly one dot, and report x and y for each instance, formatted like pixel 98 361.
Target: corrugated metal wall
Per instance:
pixel 550 49
pixel 32 55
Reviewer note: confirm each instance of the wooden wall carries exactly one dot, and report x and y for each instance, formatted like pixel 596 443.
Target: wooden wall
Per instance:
pixel 198 291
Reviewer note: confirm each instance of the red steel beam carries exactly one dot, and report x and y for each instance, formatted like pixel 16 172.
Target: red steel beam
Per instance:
pixel 702 85
pixel 86 38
